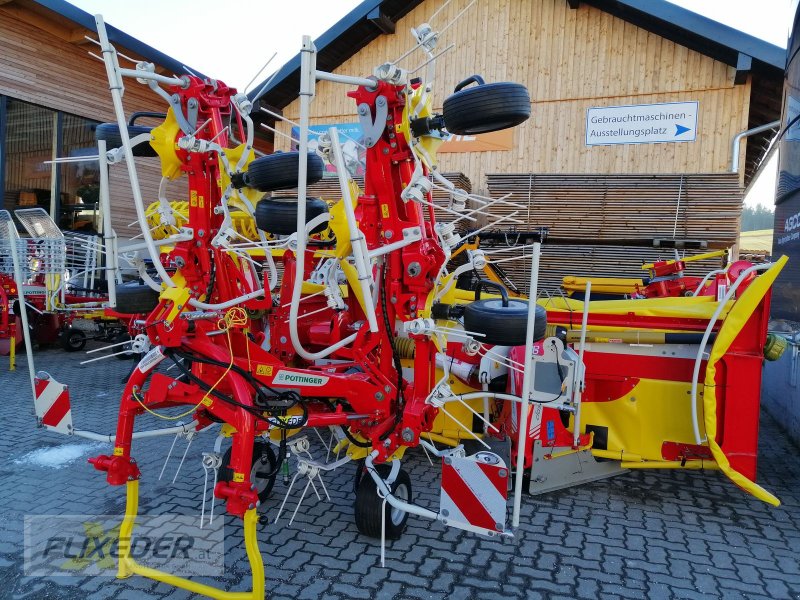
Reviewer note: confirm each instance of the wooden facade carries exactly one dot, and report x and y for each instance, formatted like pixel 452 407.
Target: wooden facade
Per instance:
pixel 570 60
pixel 583 212
pixel 46 62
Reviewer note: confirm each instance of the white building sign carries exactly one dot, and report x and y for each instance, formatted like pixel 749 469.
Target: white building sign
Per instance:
pixel 641 124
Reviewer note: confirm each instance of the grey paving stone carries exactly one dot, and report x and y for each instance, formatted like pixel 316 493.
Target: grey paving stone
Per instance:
pixel 646 535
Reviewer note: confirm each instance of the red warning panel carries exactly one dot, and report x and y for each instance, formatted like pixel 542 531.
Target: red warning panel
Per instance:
pixel 52 404
pixel 474 493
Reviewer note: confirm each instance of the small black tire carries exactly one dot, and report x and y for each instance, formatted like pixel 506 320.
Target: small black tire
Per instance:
pixel 279 215
pixel 263 472
pixel 135 299
pixel 503 325
pixel 279 171
pixel 486 107
pixel 369 504
pixel 110 133
pixel 72 340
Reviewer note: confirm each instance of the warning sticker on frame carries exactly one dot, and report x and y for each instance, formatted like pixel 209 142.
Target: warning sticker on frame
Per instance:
pixel 642 124
pixel 151 359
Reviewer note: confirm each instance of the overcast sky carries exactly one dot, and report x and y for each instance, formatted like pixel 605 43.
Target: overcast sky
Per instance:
pixel 232 42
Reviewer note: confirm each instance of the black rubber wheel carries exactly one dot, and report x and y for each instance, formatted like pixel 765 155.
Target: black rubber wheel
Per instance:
pixel 110 133
pixel 279 215
pixel 486 107
pixel 279 171
pixel 503 325
pixel 263 472
pixel 135 299
pixel 72 340
pixel 369 505
pixel 33 317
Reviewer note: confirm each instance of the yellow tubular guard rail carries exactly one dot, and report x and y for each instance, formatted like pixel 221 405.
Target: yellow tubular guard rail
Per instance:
pixel 128 566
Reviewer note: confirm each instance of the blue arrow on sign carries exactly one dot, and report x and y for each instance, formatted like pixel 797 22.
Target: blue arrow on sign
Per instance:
pixel 679 129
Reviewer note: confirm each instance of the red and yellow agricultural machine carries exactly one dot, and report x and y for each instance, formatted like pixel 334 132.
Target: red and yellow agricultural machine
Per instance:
pixel 61 275
pixel 366 333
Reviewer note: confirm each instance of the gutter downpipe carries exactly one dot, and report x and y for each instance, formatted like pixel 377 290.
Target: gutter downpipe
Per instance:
pixel 737 142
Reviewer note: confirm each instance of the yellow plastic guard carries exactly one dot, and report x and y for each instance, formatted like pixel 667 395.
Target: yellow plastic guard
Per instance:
pixel 163 141
pixel 253 196
pixel 426 145
pixel 601 285
pixel 700 307
pixel 736 319
pixel 178 295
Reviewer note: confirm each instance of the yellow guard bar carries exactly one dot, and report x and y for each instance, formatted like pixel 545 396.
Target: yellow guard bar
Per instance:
pixel 128 566
pixel 731 327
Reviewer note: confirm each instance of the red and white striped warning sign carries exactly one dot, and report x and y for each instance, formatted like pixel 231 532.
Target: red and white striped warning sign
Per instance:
pixel 52 404
pixel 474 492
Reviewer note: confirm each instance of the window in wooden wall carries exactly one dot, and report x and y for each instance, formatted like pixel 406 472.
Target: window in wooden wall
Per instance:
pixel 79 182
pixel 29 136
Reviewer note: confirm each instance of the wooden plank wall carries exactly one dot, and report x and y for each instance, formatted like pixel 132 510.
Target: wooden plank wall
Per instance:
pixel 43 68
pixel 613 207
pixel 570 60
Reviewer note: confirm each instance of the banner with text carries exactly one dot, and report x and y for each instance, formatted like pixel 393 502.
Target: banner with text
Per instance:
pixel 642 124
pixel 483 142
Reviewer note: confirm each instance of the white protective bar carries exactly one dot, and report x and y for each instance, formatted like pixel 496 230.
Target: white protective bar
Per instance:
pixel 26 333
pixel 580 376
pixel 708 276
pixel 357 241
pixel 109 235
pixel 229 303
pixel 414 235
pixel 115 85
pixel 412 509
pixel 137 435
pixel 307 85
pixel 700 351
pixel 243 107
pixel 527 383
pixel 346 79
pixel 489 395
pixel 141 74
pixel 185 235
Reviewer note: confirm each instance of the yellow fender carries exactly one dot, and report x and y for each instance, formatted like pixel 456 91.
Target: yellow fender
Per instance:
pixel 736 319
